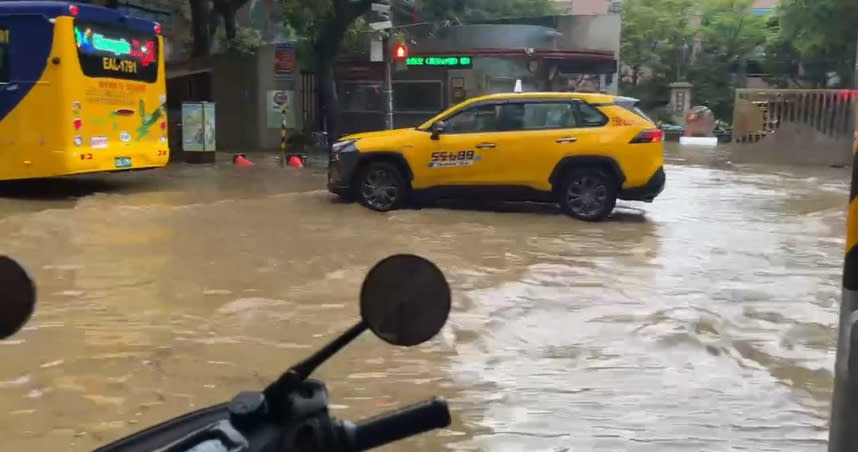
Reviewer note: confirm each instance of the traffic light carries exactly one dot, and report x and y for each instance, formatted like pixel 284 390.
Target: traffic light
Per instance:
pixel 400 52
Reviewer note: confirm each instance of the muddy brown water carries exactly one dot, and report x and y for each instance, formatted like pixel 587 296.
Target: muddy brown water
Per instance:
pixel 703 321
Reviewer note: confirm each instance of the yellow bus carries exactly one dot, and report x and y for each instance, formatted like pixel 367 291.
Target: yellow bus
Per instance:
pixel 82 90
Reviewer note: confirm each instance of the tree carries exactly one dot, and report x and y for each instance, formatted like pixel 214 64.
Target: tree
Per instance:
pixel 324 24
pixel 822 34
pixel 656 43
pixel 703 43
pixel 205 17
pixel 730 36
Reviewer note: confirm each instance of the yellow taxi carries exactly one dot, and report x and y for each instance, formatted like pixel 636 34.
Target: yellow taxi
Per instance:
pixel 582 151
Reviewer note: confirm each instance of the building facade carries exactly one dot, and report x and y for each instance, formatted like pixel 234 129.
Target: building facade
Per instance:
pixel 448 66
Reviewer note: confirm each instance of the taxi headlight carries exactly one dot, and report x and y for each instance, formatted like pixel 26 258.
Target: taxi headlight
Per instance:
pixel 340 145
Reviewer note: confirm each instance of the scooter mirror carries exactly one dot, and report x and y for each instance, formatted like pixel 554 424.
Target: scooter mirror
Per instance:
pixel 405 300
pixel 17 297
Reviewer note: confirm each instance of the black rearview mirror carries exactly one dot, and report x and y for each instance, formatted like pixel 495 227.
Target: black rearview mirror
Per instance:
pixel 405 300
pixel 437 129
pixel 17 297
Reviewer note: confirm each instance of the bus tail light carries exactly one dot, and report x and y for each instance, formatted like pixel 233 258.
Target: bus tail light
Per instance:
pixel 78 124
pixel 648 136
pixel 163 125
pixel 157 28
pixel 74 10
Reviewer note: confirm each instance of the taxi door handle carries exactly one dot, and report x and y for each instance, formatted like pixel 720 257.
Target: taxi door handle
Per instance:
pixel 567 140
pixel 486 146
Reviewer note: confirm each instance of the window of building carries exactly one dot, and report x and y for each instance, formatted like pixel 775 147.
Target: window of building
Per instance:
pixel 417 96
pixel 361 97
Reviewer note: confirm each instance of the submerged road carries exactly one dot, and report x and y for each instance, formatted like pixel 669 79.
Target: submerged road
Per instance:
pixel 703 321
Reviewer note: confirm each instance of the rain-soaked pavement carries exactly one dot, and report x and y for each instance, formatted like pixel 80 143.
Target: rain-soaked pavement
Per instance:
pixel 704 321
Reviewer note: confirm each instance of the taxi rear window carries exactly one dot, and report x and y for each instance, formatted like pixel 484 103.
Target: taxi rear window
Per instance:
pixel 632 106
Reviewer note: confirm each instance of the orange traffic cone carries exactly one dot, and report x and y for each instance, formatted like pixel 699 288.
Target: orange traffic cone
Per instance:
pixel 241 160
pixel 295 162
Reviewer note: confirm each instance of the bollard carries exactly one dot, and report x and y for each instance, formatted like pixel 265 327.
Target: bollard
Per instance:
pixel 283 135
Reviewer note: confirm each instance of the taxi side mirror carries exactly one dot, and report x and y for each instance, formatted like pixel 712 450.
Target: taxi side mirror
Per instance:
pixel 437 129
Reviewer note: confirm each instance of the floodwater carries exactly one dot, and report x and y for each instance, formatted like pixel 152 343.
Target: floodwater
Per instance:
pixel 703 321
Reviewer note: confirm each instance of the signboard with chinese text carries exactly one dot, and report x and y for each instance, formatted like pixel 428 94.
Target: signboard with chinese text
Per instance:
pixel 285 61
pixel 458 62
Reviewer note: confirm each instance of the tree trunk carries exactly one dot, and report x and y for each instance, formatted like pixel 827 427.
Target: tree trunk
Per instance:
pixel 229 21
pixel 200 27
pixel 328 40
pixel 226 10
pixel 328 103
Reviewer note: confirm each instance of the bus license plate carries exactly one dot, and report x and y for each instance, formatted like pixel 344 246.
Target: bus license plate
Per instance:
pixel 123 162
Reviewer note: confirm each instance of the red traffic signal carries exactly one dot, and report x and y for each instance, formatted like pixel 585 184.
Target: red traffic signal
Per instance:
pixel 400 52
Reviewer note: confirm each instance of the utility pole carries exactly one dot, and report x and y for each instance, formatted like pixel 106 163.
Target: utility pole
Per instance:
pixel 388 83
pixel 383 22
pixel 843 430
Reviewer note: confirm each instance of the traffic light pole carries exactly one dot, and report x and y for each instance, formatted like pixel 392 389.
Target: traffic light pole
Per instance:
pixel 843 431
pixel 388 84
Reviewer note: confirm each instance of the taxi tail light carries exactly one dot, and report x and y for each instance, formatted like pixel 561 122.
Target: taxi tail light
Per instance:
pixel 649 136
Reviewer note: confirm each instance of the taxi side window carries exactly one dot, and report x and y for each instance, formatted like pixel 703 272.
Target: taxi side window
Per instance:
pixel 548 115
pixel 478 119
pixel 589 116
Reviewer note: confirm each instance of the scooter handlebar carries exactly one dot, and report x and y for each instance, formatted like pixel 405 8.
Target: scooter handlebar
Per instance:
pixel 400 424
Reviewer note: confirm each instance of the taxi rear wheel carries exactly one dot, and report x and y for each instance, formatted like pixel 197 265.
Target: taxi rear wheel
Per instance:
pixel 381 186
pixel 588 194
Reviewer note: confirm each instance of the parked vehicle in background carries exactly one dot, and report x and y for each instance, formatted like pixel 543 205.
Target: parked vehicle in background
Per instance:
pixel 82 89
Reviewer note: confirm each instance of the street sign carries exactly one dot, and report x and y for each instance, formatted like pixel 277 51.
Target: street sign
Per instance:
pixel 376 51
pixel 381 8
pixel 378 26
pixel 381 19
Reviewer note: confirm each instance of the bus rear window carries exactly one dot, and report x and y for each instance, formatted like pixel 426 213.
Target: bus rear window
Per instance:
pixel 106 51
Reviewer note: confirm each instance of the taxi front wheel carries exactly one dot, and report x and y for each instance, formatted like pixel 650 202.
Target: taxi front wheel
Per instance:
pixel 381 186
pixel 588 194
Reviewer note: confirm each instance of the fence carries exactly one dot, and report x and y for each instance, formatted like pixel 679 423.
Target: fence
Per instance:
pixel 310 101
pixel 794 126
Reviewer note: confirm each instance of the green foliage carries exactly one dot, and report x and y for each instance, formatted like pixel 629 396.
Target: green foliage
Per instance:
pixel 730 36
pixel 821 33
pixel 357 37
pixel 655 32
pixel 700 42
pixel 730 31
pixel 303 18
pixel 246 41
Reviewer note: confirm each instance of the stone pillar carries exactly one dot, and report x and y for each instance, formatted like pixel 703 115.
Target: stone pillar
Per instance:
pixel 680 99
